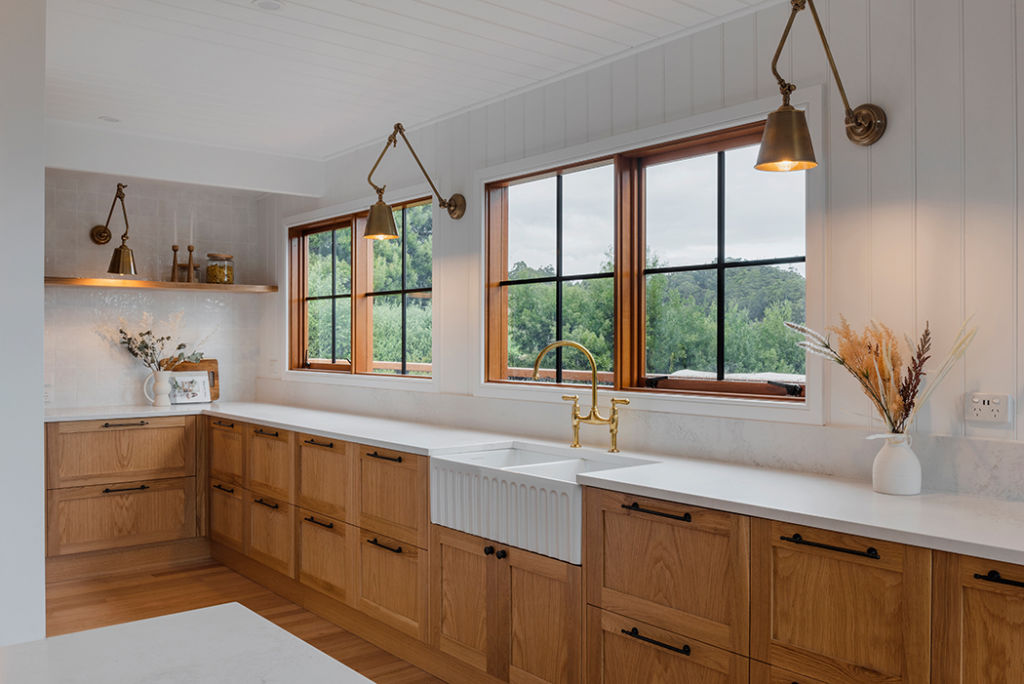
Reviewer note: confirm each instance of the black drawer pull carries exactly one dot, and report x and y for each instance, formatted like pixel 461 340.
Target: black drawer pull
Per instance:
pixel 488 550
pixel 325 445
pixel 313 520
pixel 138 424
pixel 871 551
pixel 374 454
pixel 685 517
pixel 108 490
pixel 501 554
pixel 383 546
pixel 635 633
pixel 261 431
pixel 223 424
pixel 994 576
pixel 264 503
pixel 229 490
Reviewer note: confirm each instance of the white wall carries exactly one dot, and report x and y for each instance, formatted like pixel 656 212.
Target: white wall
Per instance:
pixel 22 54
pixel 923 226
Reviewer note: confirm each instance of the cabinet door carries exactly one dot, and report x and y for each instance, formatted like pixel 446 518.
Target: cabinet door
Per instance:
pixel 682 568
pixel 393 579
pixel 124 514
pixel 978 630
pixel 621 650
pixel 109 451
pixel 393 490
pixel 270 463
pixel 546 618
pixel 227 456
pixel 270 533
pixel 762 673
pixel 227 513
pixel 326 479
pixel 840 608
pixel 327 549
pixel 467 601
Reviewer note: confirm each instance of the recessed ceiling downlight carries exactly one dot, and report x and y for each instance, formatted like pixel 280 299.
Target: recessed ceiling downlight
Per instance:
pixel 269 5
pixel 109 119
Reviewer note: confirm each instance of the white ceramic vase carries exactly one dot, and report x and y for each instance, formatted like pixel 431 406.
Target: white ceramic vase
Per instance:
pixel 160 395
pixel 896 469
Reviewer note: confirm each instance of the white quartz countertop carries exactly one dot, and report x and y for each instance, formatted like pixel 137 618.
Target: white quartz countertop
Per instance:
pixel 989 528
pixel 225 644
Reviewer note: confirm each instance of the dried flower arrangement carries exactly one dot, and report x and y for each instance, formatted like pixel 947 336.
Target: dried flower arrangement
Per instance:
pixel 873 357
pixel 150 348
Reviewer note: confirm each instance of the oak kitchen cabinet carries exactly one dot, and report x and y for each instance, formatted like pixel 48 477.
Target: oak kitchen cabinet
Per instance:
pixel 226 440
pixel 227 513
pixel 270 462
pixel 326 479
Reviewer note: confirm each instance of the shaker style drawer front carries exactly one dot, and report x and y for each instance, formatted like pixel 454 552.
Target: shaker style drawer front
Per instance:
pixel 393 578
pixel 101 452
pixel 122 514
pixel 682 568
pixel 762 673
pixel 621 650
pixel 270 463
pixel 326 477
pixel 838 607
pixel 393 490
pixel 227 513
pixel 327 555
pixel 226 449
pixel 270 533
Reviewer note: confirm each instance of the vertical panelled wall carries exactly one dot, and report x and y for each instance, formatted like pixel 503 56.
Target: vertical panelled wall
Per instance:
pixel 923 226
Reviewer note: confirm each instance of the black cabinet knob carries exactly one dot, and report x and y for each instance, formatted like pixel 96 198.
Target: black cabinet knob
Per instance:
pixel 488 550
pixel 501 554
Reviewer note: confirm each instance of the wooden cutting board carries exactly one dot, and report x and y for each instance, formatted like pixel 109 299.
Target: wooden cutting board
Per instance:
pixel 208 365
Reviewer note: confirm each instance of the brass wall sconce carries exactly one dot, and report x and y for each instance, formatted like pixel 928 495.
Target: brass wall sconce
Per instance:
pixel 786 144
pixel 122 261
pixel 380 224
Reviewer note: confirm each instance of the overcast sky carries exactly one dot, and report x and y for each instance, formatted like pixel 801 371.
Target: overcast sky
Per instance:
pixel 764 214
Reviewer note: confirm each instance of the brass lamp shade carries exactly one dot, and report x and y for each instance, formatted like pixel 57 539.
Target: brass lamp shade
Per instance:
pixel 123 261
pixel 380 224
pixel 786 143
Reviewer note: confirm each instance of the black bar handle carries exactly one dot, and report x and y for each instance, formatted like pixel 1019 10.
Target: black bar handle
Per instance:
pixel 501 554
pixel 229 490
pixel 994 576
pixel 635 506
pixel 635 633
pixel 374 454
pixel 108 490
pixel 261 431
pixel 313 520
pixel 138 424
pixel 325 445
pixel 488 550
pixel 264 503
pixel 870 552
pixel 223 424
pixel 383 546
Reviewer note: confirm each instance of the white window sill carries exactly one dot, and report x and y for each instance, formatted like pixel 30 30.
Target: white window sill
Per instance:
pixel 392 382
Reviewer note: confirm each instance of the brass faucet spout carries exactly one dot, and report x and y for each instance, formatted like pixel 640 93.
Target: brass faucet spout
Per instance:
pixel 590 358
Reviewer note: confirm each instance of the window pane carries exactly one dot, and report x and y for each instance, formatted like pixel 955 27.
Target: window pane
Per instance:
pixel 343 261
pixel 418 246
pixel 386 257
pixel 387 333
pixel 318 269
pixel 681 203
pixel 759 301
pixel 319 322
pixel 343 329
pixel 531 326
pixel 764 212
pixel 681 324
pixel 417 334
pixel 588 317
pixel 588 221
pixel 532 208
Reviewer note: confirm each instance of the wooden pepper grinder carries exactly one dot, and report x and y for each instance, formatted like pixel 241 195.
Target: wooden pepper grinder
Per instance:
pixel 174 266
pixel 191 264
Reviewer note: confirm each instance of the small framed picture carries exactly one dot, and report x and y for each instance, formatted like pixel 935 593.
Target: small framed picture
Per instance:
pixel 190 387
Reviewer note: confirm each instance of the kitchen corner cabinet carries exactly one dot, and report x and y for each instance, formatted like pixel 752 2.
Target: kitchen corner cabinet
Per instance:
pixel 839 608
pixel 513 614
pixel 226 447
pixel 270 462
pixel 978 620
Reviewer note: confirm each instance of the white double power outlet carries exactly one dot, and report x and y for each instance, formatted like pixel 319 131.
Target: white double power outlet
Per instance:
pixel 988 408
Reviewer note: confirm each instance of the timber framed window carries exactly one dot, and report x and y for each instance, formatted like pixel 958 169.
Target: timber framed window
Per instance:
pixel 677 265
pixel 362 306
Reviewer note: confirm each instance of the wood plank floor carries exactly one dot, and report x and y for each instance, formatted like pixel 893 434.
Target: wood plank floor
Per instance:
pixel 75 605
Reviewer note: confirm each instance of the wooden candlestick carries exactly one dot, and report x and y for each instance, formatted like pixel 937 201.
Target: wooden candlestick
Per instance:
pixel 191 264
pixel 174 266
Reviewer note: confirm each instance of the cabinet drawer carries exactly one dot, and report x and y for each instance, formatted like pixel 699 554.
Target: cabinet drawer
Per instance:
pixel 227 513
pixel 840 608
pixel 270 463
pixel 326 477
pixel 226 448
pixel 270 533
pixel 620 649
pixel 392 491
pixel 103 452
pixel 123 514
pixel 681 568
pixel 393 583
pixel 762 673
pixel 327 555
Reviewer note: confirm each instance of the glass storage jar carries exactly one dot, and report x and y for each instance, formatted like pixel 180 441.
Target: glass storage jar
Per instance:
pixel 220 268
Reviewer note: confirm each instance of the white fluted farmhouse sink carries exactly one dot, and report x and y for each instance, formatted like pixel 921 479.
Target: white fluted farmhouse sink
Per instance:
pixel 525 496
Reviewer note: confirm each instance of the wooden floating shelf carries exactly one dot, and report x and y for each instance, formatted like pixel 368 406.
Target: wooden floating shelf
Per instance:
pixel 156 285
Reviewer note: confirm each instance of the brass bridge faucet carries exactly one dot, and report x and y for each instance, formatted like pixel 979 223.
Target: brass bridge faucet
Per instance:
pixel 593 417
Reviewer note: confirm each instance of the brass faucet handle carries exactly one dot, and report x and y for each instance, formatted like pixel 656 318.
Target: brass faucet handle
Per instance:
pixel 574 398
pixel 624 402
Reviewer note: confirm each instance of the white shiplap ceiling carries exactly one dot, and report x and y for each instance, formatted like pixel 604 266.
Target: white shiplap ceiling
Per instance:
pixel 319 76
